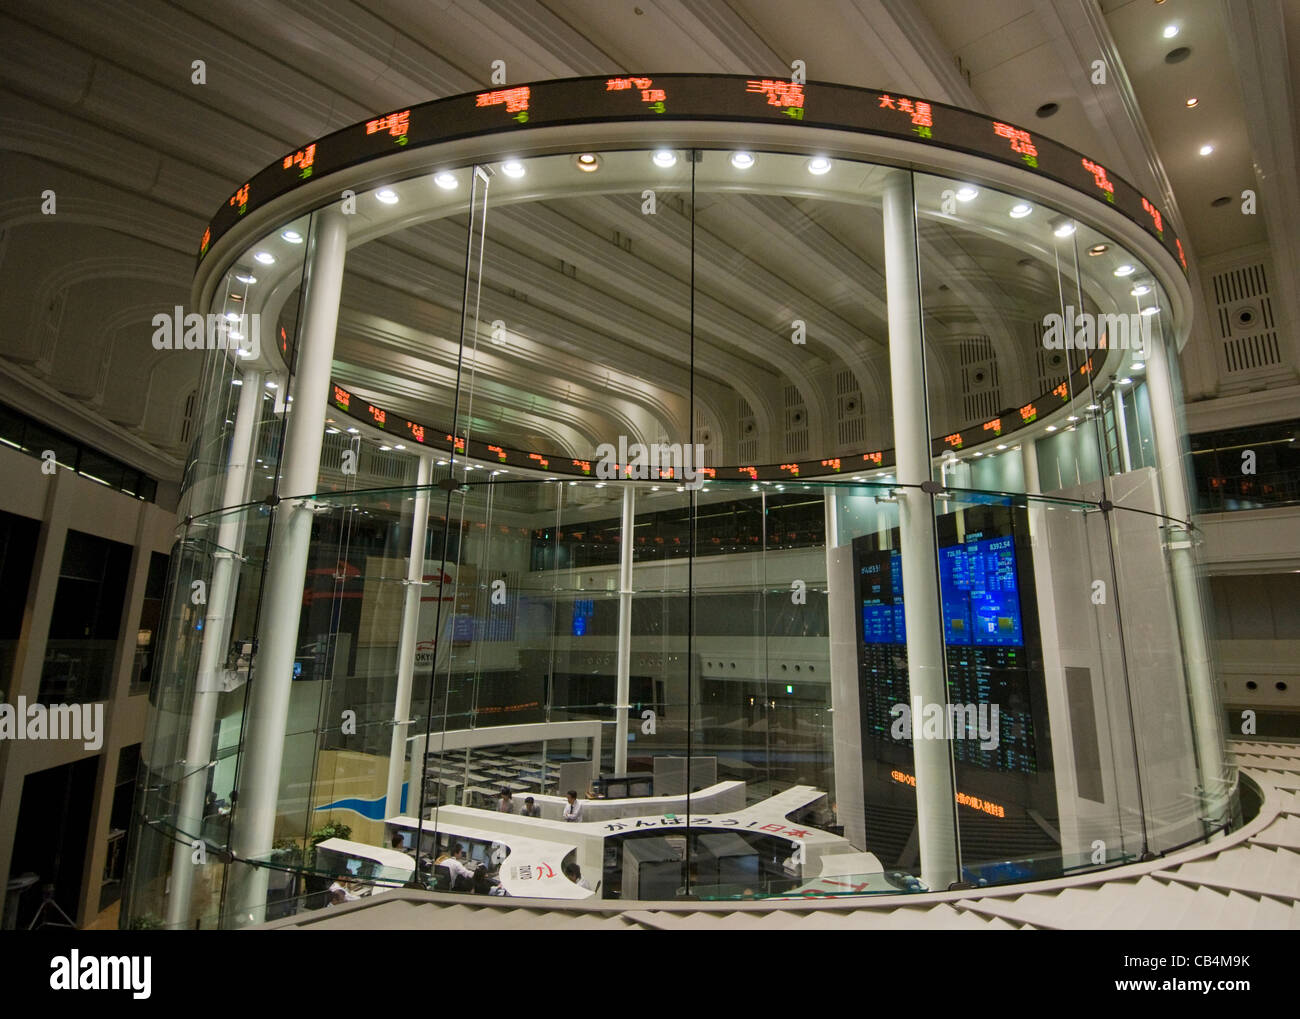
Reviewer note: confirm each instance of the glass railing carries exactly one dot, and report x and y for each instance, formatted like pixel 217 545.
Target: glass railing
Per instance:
pixel 778 675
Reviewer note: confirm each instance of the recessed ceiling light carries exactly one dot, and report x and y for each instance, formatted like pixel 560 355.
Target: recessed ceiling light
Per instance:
pixel 354 431
pixel 1064 229
pixel 232 316
pixel 742 160
pixel 588 162
pixel 1170 31
pixel 1125 270
pixel 1001 446
pixel 1205 150
pixel 977 454
pixel 965 193
pixel 1141 290
pixel 292 236
pixel 1094 406
pixel 236 382
pixel 272 385
pixel 385 449
pixel 399 447
pixel 1192 101
pixel 1125 381
pixel 388 196
pixel 1051 428
pixel 1073 417
pixel 819 165
pixel 445 180
pixel 1138 366
pixel 1021 210
pixel 265 257
pixel 1098 249
pixel 664 158
pixel 1151 310
pixel 246 278
pixel 513 168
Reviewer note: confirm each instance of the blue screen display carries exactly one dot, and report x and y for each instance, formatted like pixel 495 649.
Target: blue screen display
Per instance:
pixel 882 602
pixel 981 599
pixel 583 608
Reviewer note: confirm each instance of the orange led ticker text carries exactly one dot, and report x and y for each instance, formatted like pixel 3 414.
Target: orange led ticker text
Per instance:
pixel 994 426
pixel 515 99
pixel 964 799
pixel 501 453
pixel 1099 177
pixel 303 159
pixel 918 110
pixel 396 124
pixel 1021 143
pixel 1028 413
pixel 876 458
pixel 240 199
pixel 540 459
pixel 832 464
pixel 642 85
pixel 781 93
pixel 953 440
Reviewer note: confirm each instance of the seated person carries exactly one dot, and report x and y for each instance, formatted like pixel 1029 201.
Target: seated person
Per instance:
pixel 574 873
pixel 506 802
pixel 531 809
pixel 454 860
pixel 342 887
pixel 572 809
pixel 484 885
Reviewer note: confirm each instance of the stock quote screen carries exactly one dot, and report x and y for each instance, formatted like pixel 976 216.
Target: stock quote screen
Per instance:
pixel 985 579
pixel 512 108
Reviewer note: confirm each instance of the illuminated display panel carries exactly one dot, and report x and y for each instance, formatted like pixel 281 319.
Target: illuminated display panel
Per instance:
pixel 487 449
pixel 692 97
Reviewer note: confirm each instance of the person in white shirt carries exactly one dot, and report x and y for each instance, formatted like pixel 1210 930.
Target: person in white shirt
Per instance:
pixel 574 873
pixel 506 802
pixel 454 862
pixel 572 809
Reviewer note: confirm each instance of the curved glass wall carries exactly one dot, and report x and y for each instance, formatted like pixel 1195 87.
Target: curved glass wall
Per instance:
pixel 821 525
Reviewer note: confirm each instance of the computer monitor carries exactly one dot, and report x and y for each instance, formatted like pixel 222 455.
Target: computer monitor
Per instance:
pixel 479 853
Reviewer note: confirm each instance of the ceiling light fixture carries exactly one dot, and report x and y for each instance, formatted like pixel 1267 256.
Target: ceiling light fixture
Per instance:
pixel 513 168
pixel 265 257
pixel 1020 210
pixel 246 278
pixel 387 195
pixel 1141 290
pixel 588 162
pixel 742 160
pixel 1192 101
pixel 446 180
pixel 1170 31
pixel 1063 228
pixel 1151 310
pixel 292 236
pixel 1125 270
pixel 664 158
pixel 819 165
pixel 1098 249
pixel 1205 150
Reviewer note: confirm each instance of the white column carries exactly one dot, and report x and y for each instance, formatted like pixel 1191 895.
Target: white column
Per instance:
pixel 269 688
pixel 1121 430
pixel 935 806
pixel 213 650
pixel 408 639
pixel 1203 691
pixel 624 665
